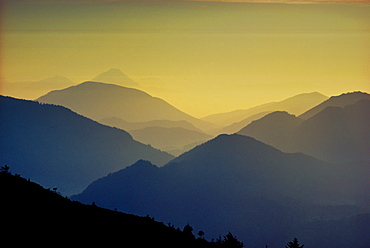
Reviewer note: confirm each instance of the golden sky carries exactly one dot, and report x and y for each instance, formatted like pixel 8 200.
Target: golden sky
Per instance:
pixel 203 57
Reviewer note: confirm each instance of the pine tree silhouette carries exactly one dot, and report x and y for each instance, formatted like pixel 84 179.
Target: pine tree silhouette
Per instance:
pixel 294 244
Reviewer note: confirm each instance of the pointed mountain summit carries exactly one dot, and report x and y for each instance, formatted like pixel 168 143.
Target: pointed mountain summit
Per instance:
pixel 336 101
pixel 116 76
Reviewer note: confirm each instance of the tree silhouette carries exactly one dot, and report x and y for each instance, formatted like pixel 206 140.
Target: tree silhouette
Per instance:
pixel 201 234
pixel 294 244
pixel 5 169
pixel 229 241
pixel 188 231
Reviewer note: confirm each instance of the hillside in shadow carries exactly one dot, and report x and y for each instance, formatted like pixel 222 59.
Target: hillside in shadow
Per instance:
pixel 237 183
pixel 32 215
pixel 338 134
pixel 59 148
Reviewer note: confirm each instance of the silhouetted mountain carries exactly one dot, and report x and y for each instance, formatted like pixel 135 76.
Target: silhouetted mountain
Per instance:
pixel 32 90
pixel 172 140
pixel 336 101
pixel 116 76
pixel 334 134
pixel 262 195
pixel 32 215
pixel 295 105
pixel 125 125
pixel 59 148
pixel 100 100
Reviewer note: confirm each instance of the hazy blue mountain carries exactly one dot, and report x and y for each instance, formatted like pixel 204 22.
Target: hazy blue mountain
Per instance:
pixel 260 194
pixel 334 134
pixel 294 105
pixel 125 125
pixel 36 216
pixel 173 140
pixel 99 100
pixel 336 101
pixel 59 148
pixel 116 76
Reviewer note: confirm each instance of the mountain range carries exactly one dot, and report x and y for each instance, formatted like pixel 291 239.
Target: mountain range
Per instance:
pixel 100 100
pixel 338 134
pixel 60 148
pixel 235 182
pixel 295 105
pixel 251 183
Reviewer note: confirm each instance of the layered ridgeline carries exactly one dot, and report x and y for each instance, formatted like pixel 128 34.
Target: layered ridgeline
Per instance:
pixel 337 130
pixel 174 137
pixel 257 192
pixel 59 148
pixel 36 216
pixel 235 120
pixel 100 100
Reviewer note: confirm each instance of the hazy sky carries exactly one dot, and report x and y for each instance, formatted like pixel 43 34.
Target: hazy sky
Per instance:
pixel 203 57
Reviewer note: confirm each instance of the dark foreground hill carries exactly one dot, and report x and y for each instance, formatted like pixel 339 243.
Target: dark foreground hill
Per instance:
pixel 59 148
pixel 32 215
pixel 237 183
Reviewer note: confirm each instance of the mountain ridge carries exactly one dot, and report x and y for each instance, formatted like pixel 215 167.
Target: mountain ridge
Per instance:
pixel 338 134
pixel 38 215
pixel 58 147
pixel 100 100
pixel 295 105
pixel 247 184
pixel 336 101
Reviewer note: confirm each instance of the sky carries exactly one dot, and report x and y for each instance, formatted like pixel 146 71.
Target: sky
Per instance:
pixel 203 57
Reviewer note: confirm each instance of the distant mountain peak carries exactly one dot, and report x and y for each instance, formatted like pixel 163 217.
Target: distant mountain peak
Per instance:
pixel 116 76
